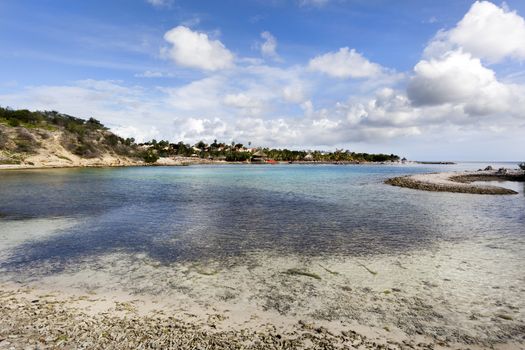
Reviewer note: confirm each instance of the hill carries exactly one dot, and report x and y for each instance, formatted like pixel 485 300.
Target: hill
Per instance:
pixel 52 139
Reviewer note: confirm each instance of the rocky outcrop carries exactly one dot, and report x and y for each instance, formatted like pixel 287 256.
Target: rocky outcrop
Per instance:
pixel 459 182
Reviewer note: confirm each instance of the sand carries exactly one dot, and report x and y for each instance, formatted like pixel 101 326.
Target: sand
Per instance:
pixel 453 297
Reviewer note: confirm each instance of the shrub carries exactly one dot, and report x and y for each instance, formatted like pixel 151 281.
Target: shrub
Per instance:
pixel 25 146
pixel 86 150
pixel 522 166
pixel 94 124
pixel 25 141
pixel 14 122
pixel 3 139
pixel 150 156
pixel 112 140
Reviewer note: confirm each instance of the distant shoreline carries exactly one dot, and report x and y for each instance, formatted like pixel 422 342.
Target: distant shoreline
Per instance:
pixel 177 161
pixel 459 182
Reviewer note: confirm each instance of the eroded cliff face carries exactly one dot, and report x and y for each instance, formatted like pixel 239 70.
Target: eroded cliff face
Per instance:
pixel 54 146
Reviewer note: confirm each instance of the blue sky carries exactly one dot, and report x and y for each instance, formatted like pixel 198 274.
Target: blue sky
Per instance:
pixel 424 79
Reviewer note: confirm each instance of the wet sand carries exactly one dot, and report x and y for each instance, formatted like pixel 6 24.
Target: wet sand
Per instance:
pixel 450 298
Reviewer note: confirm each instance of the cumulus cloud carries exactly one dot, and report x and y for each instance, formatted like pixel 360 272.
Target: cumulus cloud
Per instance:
pixel 459 78
pixel 453 73
pixel 486 31
pixel 196 50
pixel 345 63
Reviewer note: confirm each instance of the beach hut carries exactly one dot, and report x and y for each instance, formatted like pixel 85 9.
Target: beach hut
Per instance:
pixel 259 157
pixel 309 157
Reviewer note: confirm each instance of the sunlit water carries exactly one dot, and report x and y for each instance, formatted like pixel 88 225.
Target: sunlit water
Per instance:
pixel 444 248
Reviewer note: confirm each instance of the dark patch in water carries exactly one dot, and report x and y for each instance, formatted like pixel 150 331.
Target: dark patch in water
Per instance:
pixel 175 219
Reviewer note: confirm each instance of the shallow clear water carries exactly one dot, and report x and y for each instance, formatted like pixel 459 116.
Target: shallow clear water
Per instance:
pixel 447 265
pixel 190 213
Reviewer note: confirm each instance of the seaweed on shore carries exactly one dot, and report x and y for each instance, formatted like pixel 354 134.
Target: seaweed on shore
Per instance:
pixel 329 271
pixel 367 269
pixel 297 272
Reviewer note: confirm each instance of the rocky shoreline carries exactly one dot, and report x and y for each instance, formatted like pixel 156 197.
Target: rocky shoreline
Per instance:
pixel 460 182
pixel 168 161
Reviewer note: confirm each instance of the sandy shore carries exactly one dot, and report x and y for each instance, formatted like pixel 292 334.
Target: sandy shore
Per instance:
pixel 126 301
pixel 35 320
pixel 110 162
pixel 459 182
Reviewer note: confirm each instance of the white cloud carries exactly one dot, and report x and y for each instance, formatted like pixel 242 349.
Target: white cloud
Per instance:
pixel 458 78
pixel 451 85
pixel 250 105
pixel 213 108
pixel 294 93
pixel 140 134
pixel 269 46
pixel 196 50
pixel 202 96
pixel 241 101
pixel 345 63
pixel 486 31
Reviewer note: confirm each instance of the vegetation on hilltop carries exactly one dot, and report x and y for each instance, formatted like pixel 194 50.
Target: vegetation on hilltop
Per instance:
pixel 84 138
pixel 91 139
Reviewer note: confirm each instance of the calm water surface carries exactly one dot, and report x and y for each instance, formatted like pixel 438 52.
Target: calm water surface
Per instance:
pixel 206 212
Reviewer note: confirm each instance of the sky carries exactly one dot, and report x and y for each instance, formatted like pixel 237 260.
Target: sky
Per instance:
pixel 428 80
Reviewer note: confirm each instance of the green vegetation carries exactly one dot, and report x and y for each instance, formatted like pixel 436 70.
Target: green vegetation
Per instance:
pixel 237 152
pixel 10 161
pixel 150 156
pixel 90 139
pixel 84 138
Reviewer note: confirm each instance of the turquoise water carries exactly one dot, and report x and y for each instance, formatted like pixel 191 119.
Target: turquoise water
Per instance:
pixel 206 212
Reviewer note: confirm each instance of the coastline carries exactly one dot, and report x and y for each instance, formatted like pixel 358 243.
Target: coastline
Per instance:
pixel 168 161
pixel 459 182
pixel 126 301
